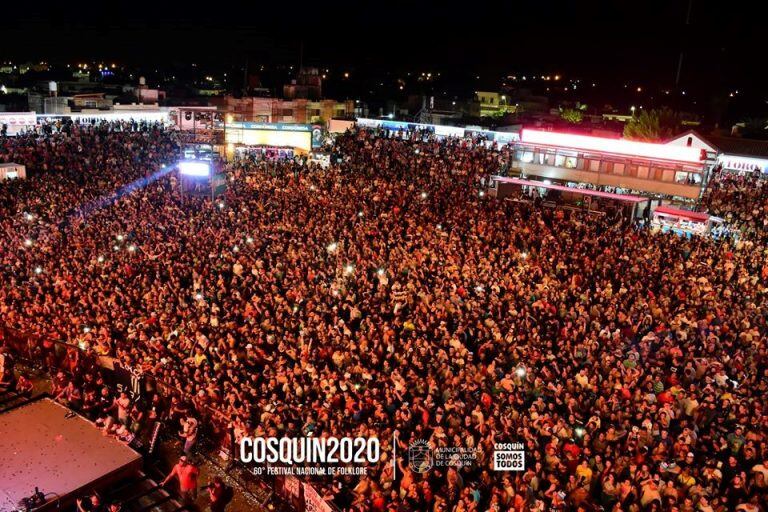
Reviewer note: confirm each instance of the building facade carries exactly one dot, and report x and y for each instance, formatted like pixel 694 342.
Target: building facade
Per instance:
pixel 275 110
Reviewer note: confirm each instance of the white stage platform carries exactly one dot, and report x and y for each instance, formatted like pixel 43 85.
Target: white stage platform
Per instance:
pixel 63 457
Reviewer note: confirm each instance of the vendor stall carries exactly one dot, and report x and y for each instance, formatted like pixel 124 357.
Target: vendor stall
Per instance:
pixel 11 171
pixel 683 222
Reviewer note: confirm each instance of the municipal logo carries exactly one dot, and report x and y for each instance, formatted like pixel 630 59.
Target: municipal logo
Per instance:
pixel 420 456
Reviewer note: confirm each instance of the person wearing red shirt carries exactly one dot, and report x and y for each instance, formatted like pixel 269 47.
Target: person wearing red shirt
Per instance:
pixel 187 474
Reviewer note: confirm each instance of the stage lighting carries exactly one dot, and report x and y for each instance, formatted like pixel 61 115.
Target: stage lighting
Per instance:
pixel 199 296
pixel 38 270
pixel 349 269
pixel 131 248
pixel 380 271
pixel 194 168
pixel 100 259
pixel 28 242
pixel 120 238
pixel 249 240
pixel 520 372
pixel 332 247
pixel 423 195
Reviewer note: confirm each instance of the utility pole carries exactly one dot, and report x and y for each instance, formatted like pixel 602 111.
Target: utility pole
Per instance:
pixel 245 78
pixel 680 60
pixel 301 56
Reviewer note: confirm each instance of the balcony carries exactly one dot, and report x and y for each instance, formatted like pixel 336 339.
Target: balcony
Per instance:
pixel 658 177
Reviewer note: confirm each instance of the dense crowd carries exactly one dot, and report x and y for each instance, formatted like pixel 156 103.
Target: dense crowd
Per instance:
pixel 386 296
pixel 742 200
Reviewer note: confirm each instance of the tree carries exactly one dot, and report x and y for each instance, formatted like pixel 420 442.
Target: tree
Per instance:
pixel 653 125
pixel 755 128
pixel 573 115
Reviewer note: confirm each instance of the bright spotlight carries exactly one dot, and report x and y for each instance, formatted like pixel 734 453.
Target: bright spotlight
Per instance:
pixel 120 238
pixel 332 247
pixel 423 195
pixel 520 372
pixel 199 296
pixel 194 168
pixel 221 206
pixel 236 248
pixel 132 248
pixel 38 270
pixel 28 242
pixel 249 240
pixel 380 271
pixel 100 259
pixel 349 269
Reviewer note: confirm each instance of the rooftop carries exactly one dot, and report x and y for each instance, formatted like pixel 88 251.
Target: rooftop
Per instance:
pixel 739 146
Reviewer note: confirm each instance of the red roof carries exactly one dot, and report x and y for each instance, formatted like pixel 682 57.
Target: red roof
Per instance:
pixel 676 212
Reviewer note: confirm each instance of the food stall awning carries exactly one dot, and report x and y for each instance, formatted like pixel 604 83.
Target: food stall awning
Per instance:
pixel 582 191
pixel 668 211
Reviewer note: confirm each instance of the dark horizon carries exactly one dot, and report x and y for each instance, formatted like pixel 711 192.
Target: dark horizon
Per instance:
pixel 593 39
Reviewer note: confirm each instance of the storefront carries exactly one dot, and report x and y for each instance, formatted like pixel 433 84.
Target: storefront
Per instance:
pixel 11 171
pixel 271 140
pixel 13 123
pixel 729 154
pixel 259 153
pixel 742 164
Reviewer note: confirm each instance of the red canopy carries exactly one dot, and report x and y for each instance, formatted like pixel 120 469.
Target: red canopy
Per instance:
pixel 687 214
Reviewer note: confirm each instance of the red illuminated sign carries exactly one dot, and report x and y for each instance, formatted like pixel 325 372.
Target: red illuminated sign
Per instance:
pixel 614 146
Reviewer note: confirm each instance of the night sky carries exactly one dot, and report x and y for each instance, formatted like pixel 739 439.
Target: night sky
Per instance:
pixel 640 40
